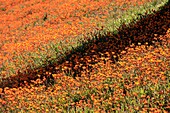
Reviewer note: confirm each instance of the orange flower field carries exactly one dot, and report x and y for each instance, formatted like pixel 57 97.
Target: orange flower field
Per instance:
pixel 27 25
pixel 127 70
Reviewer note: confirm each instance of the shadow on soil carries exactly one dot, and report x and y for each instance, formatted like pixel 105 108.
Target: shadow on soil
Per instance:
pixel 110 46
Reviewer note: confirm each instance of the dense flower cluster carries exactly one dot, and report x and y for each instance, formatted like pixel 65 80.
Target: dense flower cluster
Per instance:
pixel 124 72
pixel 139 81
pixel 27 25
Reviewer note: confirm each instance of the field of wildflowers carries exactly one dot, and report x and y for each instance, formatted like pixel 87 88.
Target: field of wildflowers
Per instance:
pixel 85 56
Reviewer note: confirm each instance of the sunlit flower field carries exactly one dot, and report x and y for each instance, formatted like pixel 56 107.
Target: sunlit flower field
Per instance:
pixel 83 56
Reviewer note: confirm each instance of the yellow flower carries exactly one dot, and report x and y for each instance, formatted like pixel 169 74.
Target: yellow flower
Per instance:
pixel 137 83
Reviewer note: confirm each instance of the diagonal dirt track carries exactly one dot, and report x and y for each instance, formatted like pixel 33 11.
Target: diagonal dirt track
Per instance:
pixel 110 47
